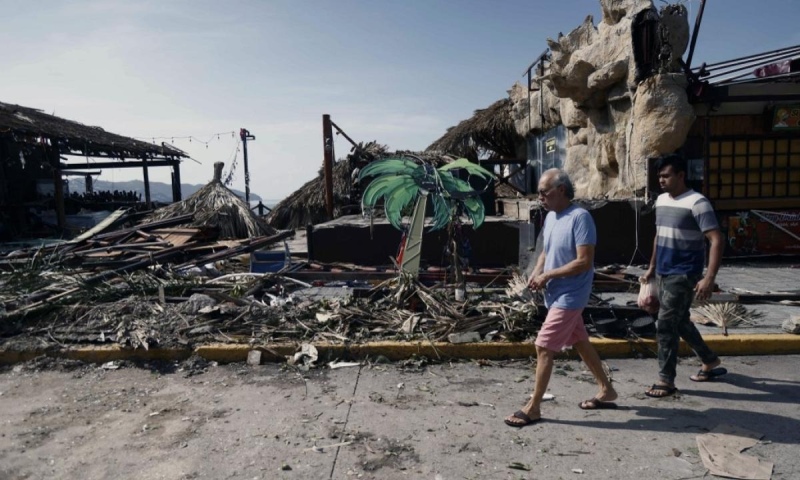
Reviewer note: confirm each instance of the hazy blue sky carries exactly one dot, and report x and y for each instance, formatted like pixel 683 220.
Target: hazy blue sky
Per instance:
pixel 398 72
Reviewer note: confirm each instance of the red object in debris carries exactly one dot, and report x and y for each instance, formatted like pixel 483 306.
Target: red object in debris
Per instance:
pixel 402 249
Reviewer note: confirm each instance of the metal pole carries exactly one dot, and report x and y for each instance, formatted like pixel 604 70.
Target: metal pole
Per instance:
pixel 245 136
pixel 327 143
pixel 697 21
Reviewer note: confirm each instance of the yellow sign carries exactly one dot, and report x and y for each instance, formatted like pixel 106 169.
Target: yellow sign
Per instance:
pixel 550 145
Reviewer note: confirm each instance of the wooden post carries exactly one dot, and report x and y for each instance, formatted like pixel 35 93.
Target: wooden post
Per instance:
pixel 218 166
pixel 58 186
pixel 176 182
pixel 327 144
pixel 146 183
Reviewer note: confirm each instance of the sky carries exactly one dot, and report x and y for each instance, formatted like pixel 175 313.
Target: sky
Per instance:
pixel 192 73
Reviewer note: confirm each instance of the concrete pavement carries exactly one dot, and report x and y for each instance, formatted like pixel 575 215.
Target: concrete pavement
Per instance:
pixel 383 421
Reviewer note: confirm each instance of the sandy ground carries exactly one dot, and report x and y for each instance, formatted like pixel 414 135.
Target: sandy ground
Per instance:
pixel 64 420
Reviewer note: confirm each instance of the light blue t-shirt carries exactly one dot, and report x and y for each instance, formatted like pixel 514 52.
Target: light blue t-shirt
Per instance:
pixel 563 233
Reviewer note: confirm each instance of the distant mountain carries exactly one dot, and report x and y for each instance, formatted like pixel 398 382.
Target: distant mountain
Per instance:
pixel 159 192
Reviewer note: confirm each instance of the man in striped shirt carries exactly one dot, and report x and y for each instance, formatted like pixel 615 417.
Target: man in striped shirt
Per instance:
pixel 684 220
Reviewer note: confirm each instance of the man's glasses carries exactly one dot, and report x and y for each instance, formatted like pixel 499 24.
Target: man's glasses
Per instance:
pixel 545 192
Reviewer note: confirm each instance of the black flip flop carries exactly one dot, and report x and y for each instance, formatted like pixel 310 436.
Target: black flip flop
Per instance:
pixel 521 415
pixel 661 388
pixel 595 403
pixel 703 376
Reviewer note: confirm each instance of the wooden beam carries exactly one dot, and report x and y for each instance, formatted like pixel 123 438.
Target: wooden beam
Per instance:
pixel 120 164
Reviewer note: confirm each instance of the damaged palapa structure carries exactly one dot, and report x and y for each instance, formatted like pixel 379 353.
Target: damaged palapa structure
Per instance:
pixel 215 206
pixel 38 149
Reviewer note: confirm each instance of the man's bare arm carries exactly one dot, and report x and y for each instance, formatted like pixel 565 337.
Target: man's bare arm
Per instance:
pixel 651 269
pixel 705 287
pixel 537 270
pixel 583 263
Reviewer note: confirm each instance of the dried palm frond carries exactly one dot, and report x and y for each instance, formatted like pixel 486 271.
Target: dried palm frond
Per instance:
pixel 724 315
pixel 518 287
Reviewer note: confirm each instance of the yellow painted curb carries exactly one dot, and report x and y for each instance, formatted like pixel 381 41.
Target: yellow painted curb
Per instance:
pixel 732 345
pixel 754 344
pixel 95 354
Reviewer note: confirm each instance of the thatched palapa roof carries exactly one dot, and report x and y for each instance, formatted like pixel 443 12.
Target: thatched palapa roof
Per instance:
pixel 74 138
pixel 215 206
pixel 307 204
pixel 489 132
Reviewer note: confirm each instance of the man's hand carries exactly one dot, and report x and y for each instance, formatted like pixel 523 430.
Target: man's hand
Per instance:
pixel 538 281
pixel 704 288
pixel 646 276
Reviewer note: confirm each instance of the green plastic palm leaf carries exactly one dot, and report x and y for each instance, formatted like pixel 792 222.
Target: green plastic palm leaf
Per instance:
pixel 455 187
pixel 381 187
pixel 442 212
pixel 397 200
pixel 389 166
pixel 471 168
pixel 475 211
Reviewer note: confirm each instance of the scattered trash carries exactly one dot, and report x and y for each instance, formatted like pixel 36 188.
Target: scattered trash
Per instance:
pixel 306 357
pixel 465 337
pixel 792 324
pixel 519 466
pixel 321 449
pixel 721 450
pixel 254 357
pixel 336 364
pixel 112 365
pixel 579 471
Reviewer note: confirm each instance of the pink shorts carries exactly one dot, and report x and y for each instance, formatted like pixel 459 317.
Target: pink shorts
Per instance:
pixel 562 328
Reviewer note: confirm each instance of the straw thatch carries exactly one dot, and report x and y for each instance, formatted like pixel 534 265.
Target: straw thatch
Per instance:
pixel 489 133
pixel 215 206
pixel 75 138
pixel 307 204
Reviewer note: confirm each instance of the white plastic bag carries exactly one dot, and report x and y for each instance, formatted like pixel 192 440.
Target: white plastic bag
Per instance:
pixel 648 296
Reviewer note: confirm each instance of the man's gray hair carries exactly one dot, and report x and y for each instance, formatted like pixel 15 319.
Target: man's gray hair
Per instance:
pixel 560 177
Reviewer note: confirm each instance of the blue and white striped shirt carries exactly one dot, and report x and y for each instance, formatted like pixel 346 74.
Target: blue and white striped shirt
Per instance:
pixel 681 223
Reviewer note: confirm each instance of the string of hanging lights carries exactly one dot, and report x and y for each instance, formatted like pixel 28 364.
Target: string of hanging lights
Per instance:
pixel 191 138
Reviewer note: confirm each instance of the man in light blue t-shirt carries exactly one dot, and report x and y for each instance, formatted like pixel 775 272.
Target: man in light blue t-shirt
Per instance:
pixel 565 271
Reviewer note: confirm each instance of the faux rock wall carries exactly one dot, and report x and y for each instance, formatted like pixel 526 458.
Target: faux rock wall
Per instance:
pixel 618 109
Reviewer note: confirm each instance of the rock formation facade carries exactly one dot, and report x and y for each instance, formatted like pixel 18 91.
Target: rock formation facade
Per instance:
pixel 618 90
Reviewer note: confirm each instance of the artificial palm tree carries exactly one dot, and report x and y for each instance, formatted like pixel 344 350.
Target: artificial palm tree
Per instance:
pixel 400 180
